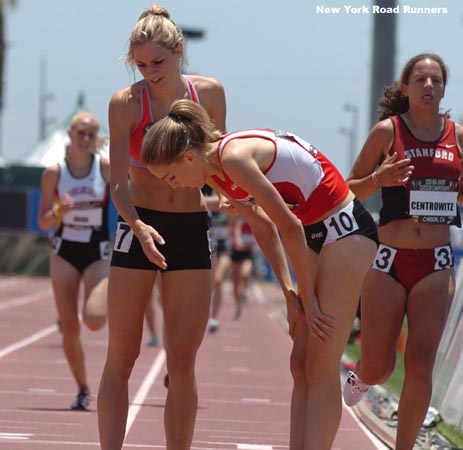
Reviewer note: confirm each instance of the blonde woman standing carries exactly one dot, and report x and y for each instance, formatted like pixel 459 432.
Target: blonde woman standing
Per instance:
pixel 159 232
pixel 74 201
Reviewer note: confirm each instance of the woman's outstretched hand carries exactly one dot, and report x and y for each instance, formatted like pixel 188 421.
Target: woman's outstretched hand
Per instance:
pixel 148 238
pixel 394 173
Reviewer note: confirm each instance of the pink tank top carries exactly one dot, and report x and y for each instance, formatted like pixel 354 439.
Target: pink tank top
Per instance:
pixel 147 119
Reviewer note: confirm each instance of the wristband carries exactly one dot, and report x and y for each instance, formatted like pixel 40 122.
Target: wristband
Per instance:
pixel 54 211
pixel 374 175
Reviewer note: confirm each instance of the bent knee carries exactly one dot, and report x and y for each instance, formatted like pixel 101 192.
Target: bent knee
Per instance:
pixel 94 322
pixel 297 368
pixel 377 374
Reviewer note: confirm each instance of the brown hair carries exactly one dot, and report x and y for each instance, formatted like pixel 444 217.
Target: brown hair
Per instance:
pixel 393 102
pixel 186 126
pixel 154 25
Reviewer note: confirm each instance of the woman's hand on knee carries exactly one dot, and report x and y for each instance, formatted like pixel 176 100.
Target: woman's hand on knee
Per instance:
pixel 321 325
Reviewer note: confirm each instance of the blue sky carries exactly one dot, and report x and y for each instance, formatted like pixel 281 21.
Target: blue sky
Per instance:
pixel 283 64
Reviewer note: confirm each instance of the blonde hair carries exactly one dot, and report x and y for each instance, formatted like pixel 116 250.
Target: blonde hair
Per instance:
pixel 154 25
pixel 87 118
pixel 186 126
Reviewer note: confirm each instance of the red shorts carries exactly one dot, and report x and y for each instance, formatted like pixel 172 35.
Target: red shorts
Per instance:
pixel 409 266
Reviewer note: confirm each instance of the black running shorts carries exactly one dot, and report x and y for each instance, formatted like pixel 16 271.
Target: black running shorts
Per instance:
pixel 186 241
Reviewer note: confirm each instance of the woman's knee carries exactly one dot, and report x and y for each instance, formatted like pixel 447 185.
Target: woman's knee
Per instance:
pixel 377 373
pixel 297 367
pixel 121 361
pixel 181 365
pixel 70 328
pixel 94 322
pixel 419 366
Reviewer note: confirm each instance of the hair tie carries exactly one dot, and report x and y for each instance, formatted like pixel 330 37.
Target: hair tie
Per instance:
pixel 175 117
pixel 178 118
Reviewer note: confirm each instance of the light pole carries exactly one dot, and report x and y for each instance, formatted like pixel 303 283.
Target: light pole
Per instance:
pixel 193 34
pixel 347 132
pixel 44 98
pixel 353 110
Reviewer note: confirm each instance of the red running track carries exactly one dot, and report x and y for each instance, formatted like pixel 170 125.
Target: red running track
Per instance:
pixel 242 373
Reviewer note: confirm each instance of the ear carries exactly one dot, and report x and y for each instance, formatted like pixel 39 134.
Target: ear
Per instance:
pixel 179 49
pixel 189 156
pixel 404 89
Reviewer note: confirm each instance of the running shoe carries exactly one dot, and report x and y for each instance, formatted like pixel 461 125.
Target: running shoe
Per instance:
pixel 213 325
pixel 81 402
pixel 354 389
pixel 153 342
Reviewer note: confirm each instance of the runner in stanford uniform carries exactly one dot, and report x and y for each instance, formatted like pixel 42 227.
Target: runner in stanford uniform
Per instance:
pixel 74 200
pixel 277 178
pixel 430 195
pixel 418 151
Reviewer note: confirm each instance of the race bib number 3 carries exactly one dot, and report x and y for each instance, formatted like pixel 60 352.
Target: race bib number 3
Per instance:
pixel 124 237
pixel 384 258
pixel 444 257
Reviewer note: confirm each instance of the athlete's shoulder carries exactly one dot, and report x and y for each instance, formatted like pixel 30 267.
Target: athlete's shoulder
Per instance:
pixel 380 138
pixel 51 174
pixel 124 106
pixel 383 130
pixel 104 161
pixel 458 129
pixel 384 126
pixel 105 167
pixel 127 96
pixel 206 84
pixel 459 136
pixel 52 169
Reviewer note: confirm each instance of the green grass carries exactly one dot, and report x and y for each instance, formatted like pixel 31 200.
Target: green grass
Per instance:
pixel 395 381
pixel 394 386
pixel 451 433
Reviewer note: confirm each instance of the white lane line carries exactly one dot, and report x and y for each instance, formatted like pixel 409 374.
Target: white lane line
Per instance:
pixel 8 280
pixel 29 298
pixel 29 340
pixel 144 388
pixel 15 436
pixel 253 447
pixel 235 349
pixel 255 400
pixel 239 369
pixel 83 444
